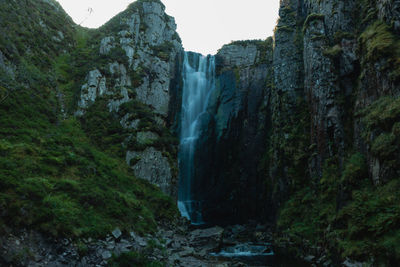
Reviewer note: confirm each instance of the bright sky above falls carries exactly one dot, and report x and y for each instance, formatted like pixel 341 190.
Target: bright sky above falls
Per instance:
pixel 203 25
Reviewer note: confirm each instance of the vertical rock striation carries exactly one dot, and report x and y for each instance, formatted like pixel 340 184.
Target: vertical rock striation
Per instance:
pixel 233 134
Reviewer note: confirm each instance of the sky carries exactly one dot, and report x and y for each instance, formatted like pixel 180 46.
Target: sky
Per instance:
pixel 203 25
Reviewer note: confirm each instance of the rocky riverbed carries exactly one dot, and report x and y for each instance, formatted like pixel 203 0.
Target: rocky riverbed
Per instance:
pixel 174 245
pixel 178 244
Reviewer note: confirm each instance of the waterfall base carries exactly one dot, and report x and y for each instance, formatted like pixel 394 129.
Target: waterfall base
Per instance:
pixel 192 211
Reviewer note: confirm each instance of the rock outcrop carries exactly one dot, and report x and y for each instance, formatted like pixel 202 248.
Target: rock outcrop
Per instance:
pixel 148 51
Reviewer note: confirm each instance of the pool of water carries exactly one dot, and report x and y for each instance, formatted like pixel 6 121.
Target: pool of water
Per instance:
pixel 257 255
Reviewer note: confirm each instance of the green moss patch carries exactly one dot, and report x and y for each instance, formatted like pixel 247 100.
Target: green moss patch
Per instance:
pixel 378 42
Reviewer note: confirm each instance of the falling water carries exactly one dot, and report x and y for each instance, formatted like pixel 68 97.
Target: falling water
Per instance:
pixel 198 83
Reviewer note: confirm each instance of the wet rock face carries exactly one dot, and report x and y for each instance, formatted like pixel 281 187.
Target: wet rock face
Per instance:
pixel 233 139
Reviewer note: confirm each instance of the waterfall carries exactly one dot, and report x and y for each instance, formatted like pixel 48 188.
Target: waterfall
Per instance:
pixel 198 83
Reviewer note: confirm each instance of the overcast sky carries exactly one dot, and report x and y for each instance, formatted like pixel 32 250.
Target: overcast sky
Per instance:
pixel 203 25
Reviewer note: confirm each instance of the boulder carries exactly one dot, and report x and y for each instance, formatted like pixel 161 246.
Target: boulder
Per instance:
pixel 210 238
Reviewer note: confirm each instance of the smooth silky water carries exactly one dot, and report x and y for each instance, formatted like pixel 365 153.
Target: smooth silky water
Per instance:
pixel 198 83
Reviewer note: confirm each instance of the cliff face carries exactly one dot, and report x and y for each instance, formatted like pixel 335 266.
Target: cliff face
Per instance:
pixel 139 52
pixel 234 135
pixel 335 70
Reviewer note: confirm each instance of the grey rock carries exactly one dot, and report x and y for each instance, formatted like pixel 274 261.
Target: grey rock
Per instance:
pixel 106 255
pixel 107 43
pixel 155 93
pixel 238 55
pixel 152 166
pixel 210 238
pixel 117 233
pixel 7 66
pixel 139 240
pixel 128 124
pixel 186 251
pixel 348 263
pixel 95 86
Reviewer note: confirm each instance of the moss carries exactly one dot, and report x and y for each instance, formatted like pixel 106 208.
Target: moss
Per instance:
pixel 355 170
pixel 381 129
pixel 310 18
pixel 345 214
pixel 372 219
pixel 163 51
pixel 246 42
pixel 284 29
pixel 333 51
pixel 382 114
pixel 384 146
pixel 378 42
pixel 340 35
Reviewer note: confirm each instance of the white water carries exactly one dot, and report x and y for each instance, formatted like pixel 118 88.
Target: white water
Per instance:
pixel 245 250
pixel 198 83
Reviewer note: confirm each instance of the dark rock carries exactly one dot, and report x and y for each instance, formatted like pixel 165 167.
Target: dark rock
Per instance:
pixel 211 238
pixel 106 255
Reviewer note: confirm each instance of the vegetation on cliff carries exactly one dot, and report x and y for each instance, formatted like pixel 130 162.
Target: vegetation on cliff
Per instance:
pixel 351 210
pixel 60 175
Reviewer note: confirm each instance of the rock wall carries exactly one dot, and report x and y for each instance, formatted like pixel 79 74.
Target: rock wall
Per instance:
pixel 145 70
pixel 287 98
pixel 234 135
pixel 334 70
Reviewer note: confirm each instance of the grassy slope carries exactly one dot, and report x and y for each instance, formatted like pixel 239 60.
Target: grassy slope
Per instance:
pixel 53 177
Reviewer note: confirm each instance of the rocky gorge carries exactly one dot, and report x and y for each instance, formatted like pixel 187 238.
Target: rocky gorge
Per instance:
pixel 292 147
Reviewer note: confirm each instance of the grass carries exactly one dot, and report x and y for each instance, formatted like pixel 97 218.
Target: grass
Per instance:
pixel 54 179
pixel 64 177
